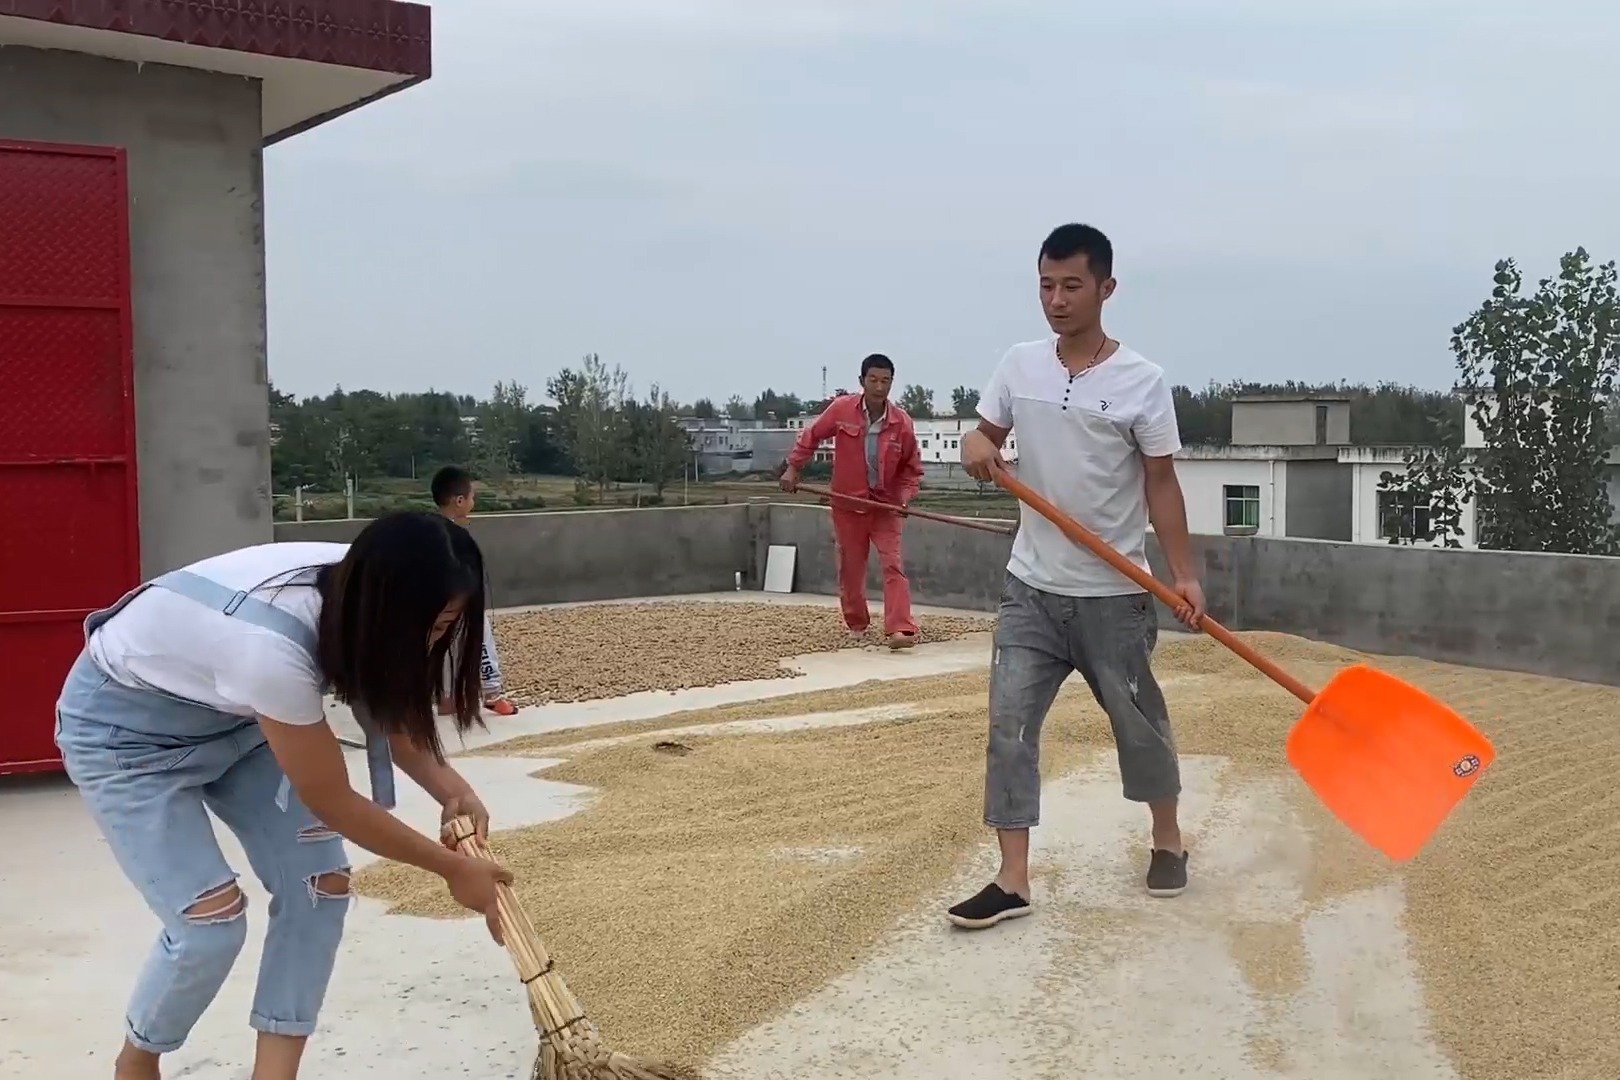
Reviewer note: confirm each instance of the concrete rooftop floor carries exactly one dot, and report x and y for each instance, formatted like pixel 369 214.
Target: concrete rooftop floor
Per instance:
pixel 1102 982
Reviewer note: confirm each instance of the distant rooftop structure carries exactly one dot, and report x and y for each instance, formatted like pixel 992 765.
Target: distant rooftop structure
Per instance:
pixel 1291 420
pixel 1288 399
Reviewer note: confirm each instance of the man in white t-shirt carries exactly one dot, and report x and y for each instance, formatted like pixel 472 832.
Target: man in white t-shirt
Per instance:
pixel 1097 436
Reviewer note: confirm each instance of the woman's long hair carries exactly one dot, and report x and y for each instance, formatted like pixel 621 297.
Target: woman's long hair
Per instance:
pixel 379 610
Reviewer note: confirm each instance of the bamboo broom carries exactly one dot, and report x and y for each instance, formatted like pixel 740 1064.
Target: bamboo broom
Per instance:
pixel 570 1047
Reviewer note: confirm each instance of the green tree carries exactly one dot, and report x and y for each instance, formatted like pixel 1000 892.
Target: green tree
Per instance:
pixel 299 453
pixel 780 406
pixel 703 409
pixel 539 447
pixel 658 449
pixel 1429 497
pixel 502 422
pixel 438 434
pixel 1539 374
pixel 918 401
pixel 1382 415
pixel 738 409
pixel 594 431
pixel 964 402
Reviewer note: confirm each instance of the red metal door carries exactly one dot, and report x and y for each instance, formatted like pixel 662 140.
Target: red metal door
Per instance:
pixel 69 532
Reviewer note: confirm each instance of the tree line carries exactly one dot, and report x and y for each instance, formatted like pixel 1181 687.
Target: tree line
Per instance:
pixel 1538 368
pixel 595 427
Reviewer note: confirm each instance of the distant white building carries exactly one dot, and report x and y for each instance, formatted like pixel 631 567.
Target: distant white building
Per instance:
pixel 1290 470
pixel 721 445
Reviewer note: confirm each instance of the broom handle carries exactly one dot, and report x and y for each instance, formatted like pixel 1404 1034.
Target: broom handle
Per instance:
pixel 906 511
pixel 522 940
pixel 1087 539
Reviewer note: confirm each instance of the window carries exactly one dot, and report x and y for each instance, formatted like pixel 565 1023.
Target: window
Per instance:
pixel 1242 505
pixel 1401 516
pixel 1321 425
pixel 1486 533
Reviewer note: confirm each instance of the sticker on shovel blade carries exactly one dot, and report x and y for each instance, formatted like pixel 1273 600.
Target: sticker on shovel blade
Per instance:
pixel 1467 767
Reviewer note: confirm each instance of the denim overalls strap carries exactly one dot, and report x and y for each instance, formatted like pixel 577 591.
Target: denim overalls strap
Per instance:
pixel 239 605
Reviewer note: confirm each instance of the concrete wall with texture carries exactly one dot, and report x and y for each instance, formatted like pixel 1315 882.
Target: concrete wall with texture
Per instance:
pixel 197 266
pixel 568 556
pixel 196 246
pixel 1549 614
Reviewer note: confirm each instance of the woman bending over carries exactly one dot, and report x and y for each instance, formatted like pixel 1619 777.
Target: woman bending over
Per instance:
pixel 203 690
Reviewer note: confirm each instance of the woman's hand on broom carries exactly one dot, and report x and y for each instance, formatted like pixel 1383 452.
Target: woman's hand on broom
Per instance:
pixel 465 804
pixel 473 883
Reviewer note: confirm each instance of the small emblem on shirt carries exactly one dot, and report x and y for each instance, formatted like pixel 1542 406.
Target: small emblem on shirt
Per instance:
pixel 1104 406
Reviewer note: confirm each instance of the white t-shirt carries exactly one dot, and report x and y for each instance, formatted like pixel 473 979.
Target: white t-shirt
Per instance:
pixel 1081 441
pixel 165 641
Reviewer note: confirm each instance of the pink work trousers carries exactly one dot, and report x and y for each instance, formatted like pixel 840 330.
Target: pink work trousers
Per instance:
pixel 855 534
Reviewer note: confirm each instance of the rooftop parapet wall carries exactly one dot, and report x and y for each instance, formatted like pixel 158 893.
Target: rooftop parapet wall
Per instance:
pixel 1553 615
pixel 568 556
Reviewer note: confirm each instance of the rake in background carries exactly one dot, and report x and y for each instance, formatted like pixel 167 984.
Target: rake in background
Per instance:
pixel 908 511
pixel 570 1047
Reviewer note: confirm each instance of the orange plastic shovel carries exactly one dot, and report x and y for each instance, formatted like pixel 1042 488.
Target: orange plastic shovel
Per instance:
pixel 1389 760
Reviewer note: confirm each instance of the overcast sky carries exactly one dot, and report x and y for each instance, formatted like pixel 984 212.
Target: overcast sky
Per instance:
pixel 721 195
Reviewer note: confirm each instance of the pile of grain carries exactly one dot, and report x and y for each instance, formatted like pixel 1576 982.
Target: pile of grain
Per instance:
pixel 607 650
pixel 677 917
pixel 703 891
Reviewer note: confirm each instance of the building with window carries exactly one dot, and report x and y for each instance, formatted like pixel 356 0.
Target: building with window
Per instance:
pixel 722 445
pixel 1290 470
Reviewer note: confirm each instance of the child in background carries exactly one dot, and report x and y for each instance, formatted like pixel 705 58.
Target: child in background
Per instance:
pixel 453 492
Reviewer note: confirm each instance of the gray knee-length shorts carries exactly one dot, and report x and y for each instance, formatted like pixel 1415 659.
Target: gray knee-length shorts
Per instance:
pixel 1040 639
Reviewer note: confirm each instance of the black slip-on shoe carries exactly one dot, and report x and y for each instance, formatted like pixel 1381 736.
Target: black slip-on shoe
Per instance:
pixel 991 905
pixel 1167 874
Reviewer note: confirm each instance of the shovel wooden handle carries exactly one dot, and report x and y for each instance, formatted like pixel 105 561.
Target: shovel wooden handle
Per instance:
pixel 1091 541
pixel 906 511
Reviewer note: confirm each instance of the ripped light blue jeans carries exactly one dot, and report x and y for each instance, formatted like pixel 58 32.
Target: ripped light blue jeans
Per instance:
pixel 150 766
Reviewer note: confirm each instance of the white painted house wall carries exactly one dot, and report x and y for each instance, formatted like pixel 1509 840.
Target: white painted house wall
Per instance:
pixel 1207 478
pixel 1368 464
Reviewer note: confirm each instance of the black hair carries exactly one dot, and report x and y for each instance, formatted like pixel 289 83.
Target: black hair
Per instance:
pixel 449 483
pixel 378 609
pixel 1067 241
pixel 877 360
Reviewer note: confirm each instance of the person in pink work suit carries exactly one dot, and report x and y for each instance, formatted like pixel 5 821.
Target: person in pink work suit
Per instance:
pixel 874 457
